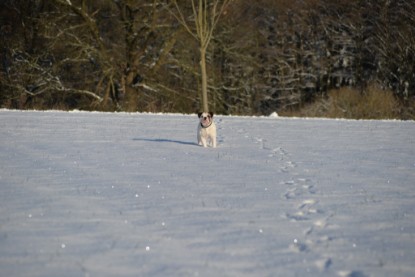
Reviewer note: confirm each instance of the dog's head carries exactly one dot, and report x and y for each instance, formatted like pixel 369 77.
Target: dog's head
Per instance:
pixel 205 119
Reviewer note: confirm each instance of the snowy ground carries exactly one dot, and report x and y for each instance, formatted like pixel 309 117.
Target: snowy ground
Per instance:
pixel 100 194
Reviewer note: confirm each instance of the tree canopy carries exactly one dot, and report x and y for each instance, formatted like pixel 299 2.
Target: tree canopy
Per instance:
pixel 263 56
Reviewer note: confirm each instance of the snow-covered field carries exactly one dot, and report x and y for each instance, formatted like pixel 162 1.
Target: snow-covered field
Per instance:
pixel 101 194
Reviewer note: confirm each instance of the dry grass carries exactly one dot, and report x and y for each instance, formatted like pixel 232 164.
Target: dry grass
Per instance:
pixel 372 103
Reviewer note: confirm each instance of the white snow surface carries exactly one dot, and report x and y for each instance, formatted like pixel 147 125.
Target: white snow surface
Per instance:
pixel 104 194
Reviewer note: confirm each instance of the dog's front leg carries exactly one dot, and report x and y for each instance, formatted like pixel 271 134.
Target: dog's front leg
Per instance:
pixel 199 140
pixel 214 142
pixel 203 141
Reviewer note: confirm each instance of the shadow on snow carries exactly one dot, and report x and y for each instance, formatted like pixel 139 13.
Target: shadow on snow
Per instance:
pixel 166 141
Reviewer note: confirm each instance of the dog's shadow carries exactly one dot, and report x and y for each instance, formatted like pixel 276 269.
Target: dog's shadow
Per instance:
pixel 160 140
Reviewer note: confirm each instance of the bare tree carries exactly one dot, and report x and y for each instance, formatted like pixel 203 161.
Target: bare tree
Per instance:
pixel 32 78
pixel 138 55
pixel 120 38
pixel 206 15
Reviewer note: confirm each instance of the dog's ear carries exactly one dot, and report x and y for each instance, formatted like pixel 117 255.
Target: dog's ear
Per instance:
pixel 211 114
pixel 199 115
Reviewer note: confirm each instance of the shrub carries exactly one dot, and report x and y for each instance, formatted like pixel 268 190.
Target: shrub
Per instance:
pixel 371 103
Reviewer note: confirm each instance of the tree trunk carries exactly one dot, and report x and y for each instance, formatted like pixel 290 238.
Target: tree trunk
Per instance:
pixel 204 79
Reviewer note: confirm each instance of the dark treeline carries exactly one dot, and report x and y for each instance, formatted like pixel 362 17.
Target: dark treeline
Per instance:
pixel 265 56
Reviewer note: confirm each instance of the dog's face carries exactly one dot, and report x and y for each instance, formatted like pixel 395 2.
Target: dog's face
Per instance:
pixel 205 119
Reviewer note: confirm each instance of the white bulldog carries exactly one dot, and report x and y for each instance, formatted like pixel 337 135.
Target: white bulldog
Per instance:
pixel 206 130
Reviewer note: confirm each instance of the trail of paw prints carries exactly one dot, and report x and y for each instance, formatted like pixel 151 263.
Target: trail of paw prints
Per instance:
pixel 240 132
pixel 219 127
pixel 301 192
pixel 305 207
pixel 298 187
pixel 307 213
pixel 306 210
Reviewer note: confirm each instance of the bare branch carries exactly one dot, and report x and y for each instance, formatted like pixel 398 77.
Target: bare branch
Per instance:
pixel 180 18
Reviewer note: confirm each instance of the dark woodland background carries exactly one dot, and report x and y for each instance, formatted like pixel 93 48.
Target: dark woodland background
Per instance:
pixel 310 58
